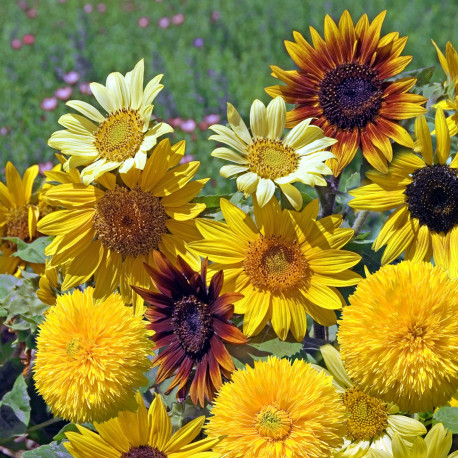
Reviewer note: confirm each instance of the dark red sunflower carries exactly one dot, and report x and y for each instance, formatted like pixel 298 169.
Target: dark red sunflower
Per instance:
pixel 191 322
pixel 342 81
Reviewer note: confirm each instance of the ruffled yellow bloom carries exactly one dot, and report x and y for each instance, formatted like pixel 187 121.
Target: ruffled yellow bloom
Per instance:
pixel 144 433
pixel 424 192
pixel 449 64
pixel 264 159
pixel 19 214
pixel 110 232
pixel 122 138
pixel 91 358
pixel 286 265
pixel 371 422
pixel 398 338
pixel 277 409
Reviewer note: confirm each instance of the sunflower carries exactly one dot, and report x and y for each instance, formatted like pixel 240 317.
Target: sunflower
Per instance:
pixel 277 409
pixel 424 192
pixel 19 213
pixel 264 159
pixel 371 422
pixel 91 358
pixel 191 321
pixel 140 434
pixel 48 284
pixel 111 232
pixel 399 340
pixel 285 265
pixel 342 81
pixel 122 138
pixel 449 64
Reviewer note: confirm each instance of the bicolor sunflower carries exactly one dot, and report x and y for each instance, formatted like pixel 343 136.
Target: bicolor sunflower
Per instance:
pixel 265 160
pixel 424 193
pixel 277 409
pixel 120 139
pixel 19 214
pixel 399 340
pixel 110 230
pixel 371 422
pixel 449 64
pixel 191 320
pixel 342 81
pixel 91 358
pixel 286 265
pixel 144 433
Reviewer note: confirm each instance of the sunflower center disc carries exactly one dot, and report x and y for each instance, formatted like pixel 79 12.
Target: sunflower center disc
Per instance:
pixel 368 415
pixel 433 197
pixel 119 137
pixel 271 158
pixel 130 221
pixel 275 264
pixel 17 223
pixel 273 422
pixel 144 451
pixel 351 95
pixel 193 325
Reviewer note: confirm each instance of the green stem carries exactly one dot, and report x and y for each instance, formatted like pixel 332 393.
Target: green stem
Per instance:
pixel 44 424
pixel 359 221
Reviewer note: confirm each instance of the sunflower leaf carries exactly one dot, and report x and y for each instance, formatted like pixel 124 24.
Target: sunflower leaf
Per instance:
pixel 52 450
pixel 448 416
pixel 30 252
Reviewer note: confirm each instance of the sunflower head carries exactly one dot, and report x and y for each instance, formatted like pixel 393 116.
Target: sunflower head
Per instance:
pixel 191 319
pixel 261 416
pixel 121 138
pixel 91 358
pixel 265 160
pixel 398 340
pixel 342 83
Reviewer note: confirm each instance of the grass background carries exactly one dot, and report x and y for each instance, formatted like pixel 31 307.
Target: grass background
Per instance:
pixel 241 39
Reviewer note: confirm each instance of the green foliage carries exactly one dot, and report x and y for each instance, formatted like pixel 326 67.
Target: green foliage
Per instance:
pixel 448 416
pixel 30 252
pixel 52 450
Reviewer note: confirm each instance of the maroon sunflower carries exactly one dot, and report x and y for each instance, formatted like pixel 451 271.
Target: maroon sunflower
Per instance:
pixel 342 82
pixel 191 319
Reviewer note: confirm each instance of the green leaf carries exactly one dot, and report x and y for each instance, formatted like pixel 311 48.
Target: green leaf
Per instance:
pixel 370 258
pixel 353 181
pixel 7 283
pixel 423 75
pixel 31 252
pixel 52 450
pixel 448 416
pixel 212 201
pixel 60 436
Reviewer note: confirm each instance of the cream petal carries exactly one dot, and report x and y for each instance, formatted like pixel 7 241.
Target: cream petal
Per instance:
pixel 276 118
pixel 237 123
pixel 258 119
pixel 265 191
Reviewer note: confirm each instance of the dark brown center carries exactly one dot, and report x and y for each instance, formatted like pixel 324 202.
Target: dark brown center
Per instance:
pixel 144 451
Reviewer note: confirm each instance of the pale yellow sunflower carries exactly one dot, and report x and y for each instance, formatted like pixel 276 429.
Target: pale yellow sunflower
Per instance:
pixel 144 433
pixel 277 409
pixel 109 231
pixel 449 64
pixel 424 193
pixel 286 265
pixel 371 422
pixel 399 336
pixel 121 138
pixel 264 159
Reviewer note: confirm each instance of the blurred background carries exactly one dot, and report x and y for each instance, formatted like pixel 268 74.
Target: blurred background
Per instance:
pixel 210 52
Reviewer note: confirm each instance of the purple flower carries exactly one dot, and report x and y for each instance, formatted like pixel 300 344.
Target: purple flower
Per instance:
pixel 178 19
pixel 198 42
pixel 63 93
pixel 212 118
pixel 16 43
pixel 88 8
pixel 85 88
pixel 163 22
pixel 188 125
pixel 44 167
pixel 71 77
pixel 49 104
pixel 101 8
pixel 143 22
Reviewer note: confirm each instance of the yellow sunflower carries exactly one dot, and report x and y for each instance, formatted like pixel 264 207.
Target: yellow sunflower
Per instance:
pixel 91 358
pixel 285 265
pixel 19 214
pixel 449 64
pixel 424 192
pixel 110 232
pixel 144 433
pixel 122 138
pixel 344 83
pixel 277 409
pixel 399 336
pixel 264 159
pixel 371 422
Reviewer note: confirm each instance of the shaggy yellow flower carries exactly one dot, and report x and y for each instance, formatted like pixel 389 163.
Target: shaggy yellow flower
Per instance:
pixel 91 358
pixel 144 433
pixel 371 423
pixel 121 138
pixel 264 159
pixel 277 409
pixel 424 193
pixel 111 232
pixel 400 340
pixel 286 265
